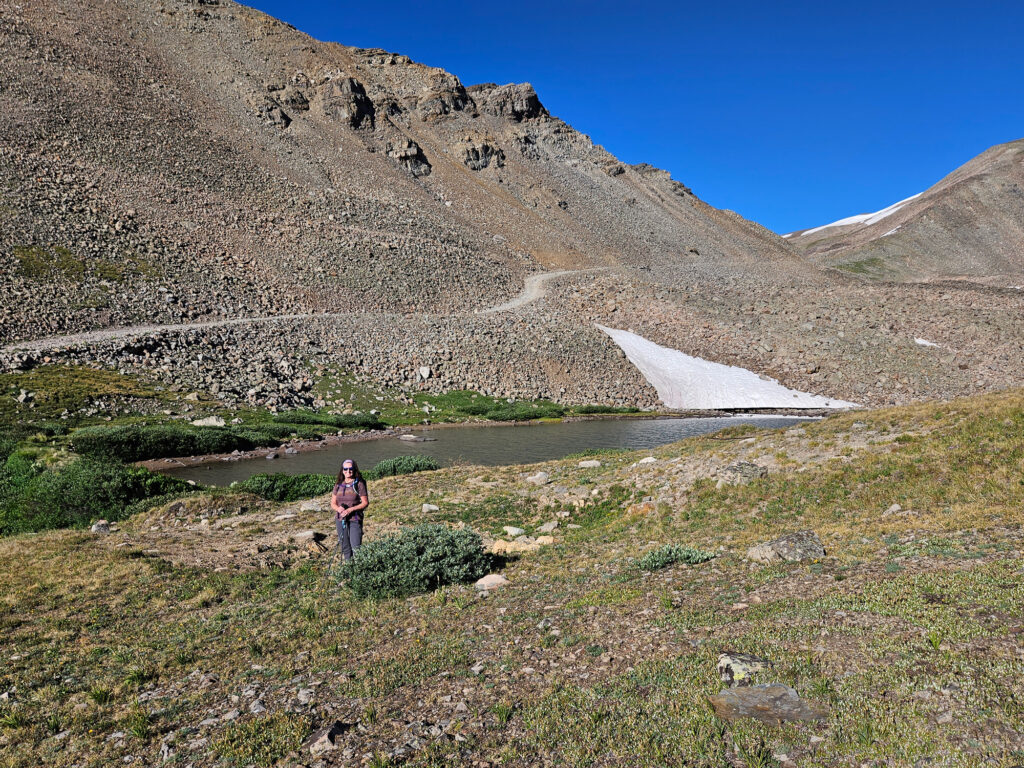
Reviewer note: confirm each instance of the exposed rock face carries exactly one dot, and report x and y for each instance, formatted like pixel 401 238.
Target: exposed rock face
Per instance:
pixel 477 154
pixel 409 156
pixel 215 164
pixel 517 101
pixel 345 99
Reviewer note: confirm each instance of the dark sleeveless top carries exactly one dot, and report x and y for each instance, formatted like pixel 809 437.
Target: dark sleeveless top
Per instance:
pixel 348 496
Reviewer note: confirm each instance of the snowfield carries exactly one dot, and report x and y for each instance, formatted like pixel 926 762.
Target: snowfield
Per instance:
pixel 686 382
pixel 863 218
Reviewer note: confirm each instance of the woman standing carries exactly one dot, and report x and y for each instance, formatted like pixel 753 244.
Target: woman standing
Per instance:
pixel 348 500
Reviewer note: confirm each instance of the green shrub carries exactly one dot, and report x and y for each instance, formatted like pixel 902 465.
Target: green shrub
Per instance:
pixel 343 421
pixel 262 740
pixel 525 411
pixel 416 560
pixel 589 409
pixel 36 498
pixel 402 465
pixel 281 487
pixel 476 409
pixel 670 554
pixel 136 442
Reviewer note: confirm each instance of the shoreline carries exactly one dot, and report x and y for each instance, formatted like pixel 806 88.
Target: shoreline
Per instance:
pixel 329 441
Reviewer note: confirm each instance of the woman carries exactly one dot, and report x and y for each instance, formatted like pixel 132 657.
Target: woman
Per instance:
pixel 348 500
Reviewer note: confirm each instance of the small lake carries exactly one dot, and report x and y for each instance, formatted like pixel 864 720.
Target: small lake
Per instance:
pixel 486 445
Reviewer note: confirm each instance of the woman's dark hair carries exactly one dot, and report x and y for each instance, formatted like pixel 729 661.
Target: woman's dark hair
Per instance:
pixel 356 474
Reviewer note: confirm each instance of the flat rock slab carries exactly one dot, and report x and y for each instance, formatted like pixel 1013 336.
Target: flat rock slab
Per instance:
pixel 791 548
pixel 772 703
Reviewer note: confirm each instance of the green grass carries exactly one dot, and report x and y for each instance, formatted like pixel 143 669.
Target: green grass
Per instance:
pixel 56 262
pixel 264 739
pixel 585 659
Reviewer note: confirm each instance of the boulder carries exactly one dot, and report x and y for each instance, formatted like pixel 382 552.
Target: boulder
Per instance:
pixel 478 154
pixel 325 739
pixel 209 421
pixel 737 669
pixel 772 703
pixel 548 527
pixel 430 508
pixel 100 526
pixel 589 464
pixel 540 478
pixel 491 581
pixel 502 547
pixel 791 548
pixel 512 531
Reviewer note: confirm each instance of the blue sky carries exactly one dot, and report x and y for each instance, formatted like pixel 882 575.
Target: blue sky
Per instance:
pixel 792 114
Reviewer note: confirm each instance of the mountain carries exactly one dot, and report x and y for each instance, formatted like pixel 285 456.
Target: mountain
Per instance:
pixel 298 210
pixel 968 226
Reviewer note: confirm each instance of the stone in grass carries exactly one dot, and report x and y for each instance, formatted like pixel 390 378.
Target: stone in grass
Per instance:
pixel 512 531
pixel 771 703
pixel 491 581
pixel 100 526
pixel 430 508
pixel 548 527
pixel 540 478
pixel 737 669
pixel 792 548
pixel 325 739
pixel 589 464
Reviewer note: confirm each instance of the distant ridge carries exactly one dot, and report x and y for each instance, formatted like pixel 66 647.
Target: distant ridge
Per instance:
pixel 968 226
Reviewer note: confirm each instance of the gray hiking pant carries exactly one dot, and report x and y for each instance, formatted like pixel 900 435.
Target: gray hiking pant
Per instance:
pixel 350 535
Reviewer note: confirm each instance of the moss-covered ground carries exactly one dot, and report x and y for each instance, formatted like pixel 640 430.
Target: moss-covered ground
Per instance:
pixel 208 633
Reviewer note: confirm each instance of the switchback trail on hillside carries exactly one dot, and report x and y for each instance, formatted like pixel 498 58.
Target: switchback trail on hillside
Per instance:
pixel 533 288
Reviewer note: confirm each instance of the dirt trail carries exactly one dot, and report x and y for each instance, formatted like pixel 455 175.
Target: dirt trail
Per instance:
pixel 533 289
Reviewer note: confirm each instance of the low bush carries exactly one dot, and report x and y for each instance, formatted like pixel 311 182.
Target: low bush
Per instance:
pixel 402 465
pixel 593 409
pixel 136 442
pixel 281 487
pixel 670 554
pixel 343 421
pixel 525 411
pixel 416 560
pixel 37 498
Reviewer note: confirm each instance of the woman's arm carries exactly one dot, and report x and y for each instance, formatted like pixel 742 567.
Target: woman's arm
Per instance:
pixel 364 502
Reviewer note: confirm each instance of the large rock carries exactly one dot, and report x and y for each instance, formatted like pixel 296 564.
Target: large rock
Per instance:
pixel 325 739
pixel 791 548
pixel 773 703
pixel 738 669
pixel 491 581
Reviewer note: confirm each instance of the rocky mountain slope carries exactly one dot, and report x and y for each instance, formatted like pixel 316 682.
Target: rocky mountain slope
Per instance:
pixel 190 162
pixel 968 226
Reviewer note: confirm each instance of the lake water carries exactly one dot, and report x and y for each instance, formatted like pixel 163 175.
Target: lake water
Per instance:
pixel 486 445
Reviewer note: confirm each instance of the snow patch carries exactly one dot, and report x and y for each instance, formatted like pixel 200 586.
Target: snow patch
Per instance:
pixel 925 343
pixel 864 218
pixel 892 231
pixel 683 381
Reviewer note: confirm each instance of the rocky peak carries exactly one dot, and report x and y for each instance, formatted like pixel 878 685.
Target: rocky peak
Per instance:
pixel 517 101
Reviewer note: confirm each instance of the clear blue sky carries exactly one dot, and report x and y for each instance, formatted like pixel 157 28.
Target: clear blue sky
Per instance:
pixel 792 114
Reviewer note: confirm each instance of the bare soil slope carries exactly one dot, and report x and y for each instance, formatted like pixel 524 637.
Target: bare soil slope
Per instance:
pixel 968 226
